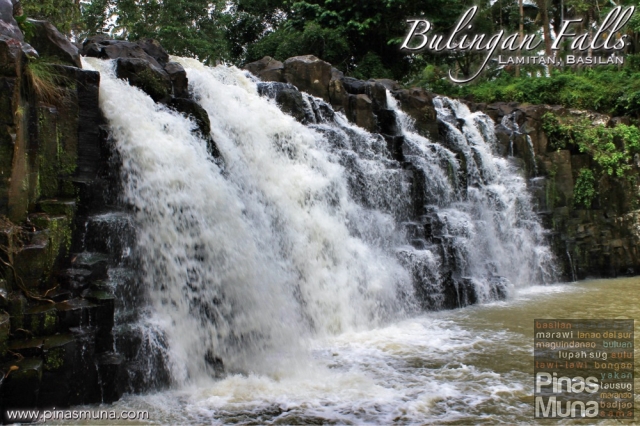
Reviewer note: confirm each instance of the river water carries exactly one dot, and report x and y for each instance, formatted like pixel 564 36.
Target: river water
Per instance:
pixel 465 366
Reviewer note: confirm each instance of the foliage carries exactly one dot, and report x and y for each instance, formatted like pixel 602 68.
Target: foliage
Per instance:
pixel 558 134
pixel 63 14
pixel 184 27
pixel 46 81
pixel 606 90
pixel 327 44
pixel 612 148
pixel 26 27
pixel 584 191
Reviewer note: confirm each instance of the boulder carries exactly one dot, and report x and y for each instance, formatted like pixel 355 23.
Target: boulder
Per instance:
pixel 8 25
pixel 12 57
pixel 106 48
pixel 288 98
pixel 179 81
pixel 54 46
pixel 155 50
pixel 418 104
pixel 267 69
pixel 388 84
pixel 309 74
pixel 145 75
pixel 361 112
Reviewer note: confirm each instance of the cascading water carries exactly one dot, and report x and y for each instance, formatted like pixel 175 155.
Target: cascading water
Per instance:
pixel 308 231
pixel 261 256
pixel 481 223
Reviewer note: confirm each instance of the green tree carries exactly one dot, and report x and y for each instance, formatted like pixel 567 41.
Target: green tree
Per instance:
pixel 64 14
pixel 193 28
pixel 361 38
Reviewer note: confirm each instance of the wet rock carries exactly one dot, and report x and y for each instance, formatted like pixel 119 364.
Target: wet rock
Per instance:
pixel 59 352
pixel 41 320
pixel 309 74
pixel 145 75
pixel 388 122
pixel 84 381
pixel 106 308
pixel 77 313
pixel 418 104
pixel 31 262
pixel 96 263
pixel 16 307
pixel 21 386
pixel 378 95
pixel 193 110
pixel 52 45
pixel 5 328
pixel 111 233
pixel 395 145
pixel 12 57
pixel 110 372
pixel 8 24
pixel 289 99
pixel 154 49
pixel 354 86
pixel 338 95
pixel 459 293
pixel 267 69
pixel 390 85
pixel 179 81
pixel 28 348
pixel 360 111
pixel 105 48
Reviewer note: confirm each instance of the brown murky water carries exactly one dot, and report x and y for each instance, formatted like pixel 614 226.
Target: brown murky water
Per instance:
pixel 468 366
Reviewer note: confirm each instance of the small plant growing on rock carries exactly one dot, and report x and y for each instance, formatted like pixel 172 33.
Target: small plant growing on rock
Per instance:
pixel 584 191
pixel 46 81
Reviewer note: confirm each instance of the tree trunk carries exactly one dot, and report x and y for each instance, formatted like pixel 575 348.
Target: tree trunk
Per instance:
pixel 544 14
pixel 521 33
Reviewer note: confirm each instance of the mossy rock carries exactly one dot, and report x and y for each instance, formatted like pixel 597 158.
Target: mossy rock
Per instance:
pixel 5 328
pixel 58 207
pixel 59 351
pixel 16 307
pixel 58 241
pixel 41 320
pixel 31 262
pixel 77 313
pixel 28 348
pixel 146 76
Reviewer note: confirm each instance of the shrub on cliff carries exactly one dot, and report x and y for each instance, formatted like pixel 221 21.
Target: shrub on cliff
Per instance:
pixel 607 90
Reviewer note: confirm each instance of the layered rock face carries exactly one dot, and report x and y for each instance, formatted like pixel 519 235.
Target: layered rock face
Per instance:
pixel 57 314
pixel 600 242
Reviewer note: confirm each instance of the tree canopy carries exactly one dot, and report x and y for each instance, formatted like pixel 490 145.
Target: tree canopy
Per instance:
pixel 360 38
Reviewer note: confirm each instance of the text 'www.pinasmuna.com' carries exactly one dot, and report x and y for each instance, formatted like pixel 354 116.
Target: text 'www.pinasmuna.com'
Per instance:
pixel 33 415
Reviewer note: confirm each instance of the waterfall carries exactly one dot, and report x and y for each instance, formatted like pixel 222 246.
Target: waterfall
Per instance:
pixel 478 211
pixel 259 256
pixel 307 230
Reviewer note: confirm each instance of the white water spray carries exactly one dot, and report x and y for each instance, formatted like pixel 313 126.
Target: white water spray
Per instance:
pixel 244 264
pixel 301 235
